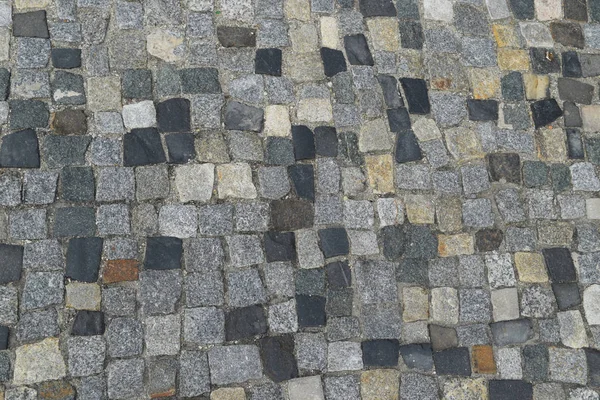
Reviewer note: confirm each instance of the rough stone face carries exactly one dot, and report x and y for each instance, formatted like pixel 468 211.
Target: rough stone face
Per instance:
pixel 39 362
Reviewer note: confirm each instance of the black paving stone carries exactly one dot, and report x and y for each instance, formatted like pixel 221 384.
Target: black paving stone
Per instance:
pixel 575 91
pixel 279 151
pixel 338 274
pixel 28 114
pixel 511 332
pixel 137 84
pixel 421 242
pixel 30 24
pixel 544 61
pixel 74 221
pixel 77 184
pixel 60 151
pixel 180 147
pixel 380 353
pixel 292 214
pixel 333 61
pixel 377 8
pixel 310 281
pixel 535 173
pixel 334 242
pixel 568 34
pixel 417 98
pixel 11 260
pixel 571 115
pixel 66 58
pixel 407 147
pixel 561 177
pixel 304 142
pixel 560 265
pixel 88 323
pixel 310 310
pixel 417 356
pixel 20 150
pixel 199 80
pixel 173 115
pixel 389 87
pixel 4 334
pixel 268 62
pixel 67 82
pixel 163 252
pixel 592 149
pixel 512 86
pixel 398 119
pixel 69 122
pixel 303 180
pixel 4 83
pixel 277 354
pixel 593 365
pixel 523 9
pixel 349 148
pixel 535 362
pixel 357 50
pixel 575 10
pixel 242 117
pixel 488 239
pixel 326 141
pixel 453 361
pixel 339 302
pixel 245 322
pixel 142 147
pixel 83 259
pixel 505 166
pixel 482 110
pixel 393 240
pixel 442 337
pixel 235 36
pixel 571 65
pixel 411 35
pixel 413 270
pixel 280 246
pixel 510 389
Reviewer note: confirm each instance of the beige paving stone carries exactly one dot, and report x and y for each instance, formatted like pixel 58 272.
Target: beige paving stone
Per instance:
pixel 531 267
pixel 415 303
pixel 505 304
pixel 38 362
pixel 277 121
pixel 304 67
pixel 374 136
pixel 547 10
pixel 22 4
pixel 572 329
pixel 379 384
pixel 420 209
pixel 455 245
pixel 485 82
pixel 551 144
pixel 465 389
pixel 591 304
pixel 104 93
pixel 384 33
pixel 444 305
pixel 463 143
pixel 166 45
pixel 329 33
pixel 235 181
pixel 4 44
pixel 592 207
pixel 555 234
pixel 439 10
pixel 228 394
pixel 513 59
pixel 304 38
pixel 380 173
pixel 449 214
pixel 315 110
pixel 505 35
pixel 536 86
pixel 297 9
pixel 83 296
pixel 195 182
pixel 426 129
pixel 591 118
pixel 306 388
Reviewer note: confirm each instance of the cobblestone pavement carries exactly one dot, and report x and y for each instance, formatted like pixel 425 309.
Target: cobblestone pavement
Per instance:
pixel 300 199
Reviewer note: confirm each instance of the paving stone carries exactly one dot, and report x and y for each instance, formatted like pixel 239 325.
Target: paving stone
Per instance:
pixel 159 291
pixel 86 355
pixel 511 332
pixel 567 365
pixel 37 325
pixel 38 362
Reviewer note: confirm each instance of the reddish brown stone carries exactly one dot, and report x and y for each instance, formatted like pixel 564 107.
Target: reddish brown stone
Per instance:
pixel 483 360
pixel 120 270
pixel 168 393
pixel 56 390
pixel 488 239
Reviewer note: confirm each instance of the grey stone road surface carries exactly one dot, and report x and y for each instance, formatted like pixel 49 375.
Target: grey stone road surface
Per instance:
pixel 300 199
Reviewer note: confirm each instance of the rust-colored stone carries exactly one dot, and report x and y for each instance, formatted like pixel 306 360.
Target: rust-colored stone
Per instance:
pixel 168 393
pixel 120 270
pixel 56 390
pixel 441 83
pixel 483 360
